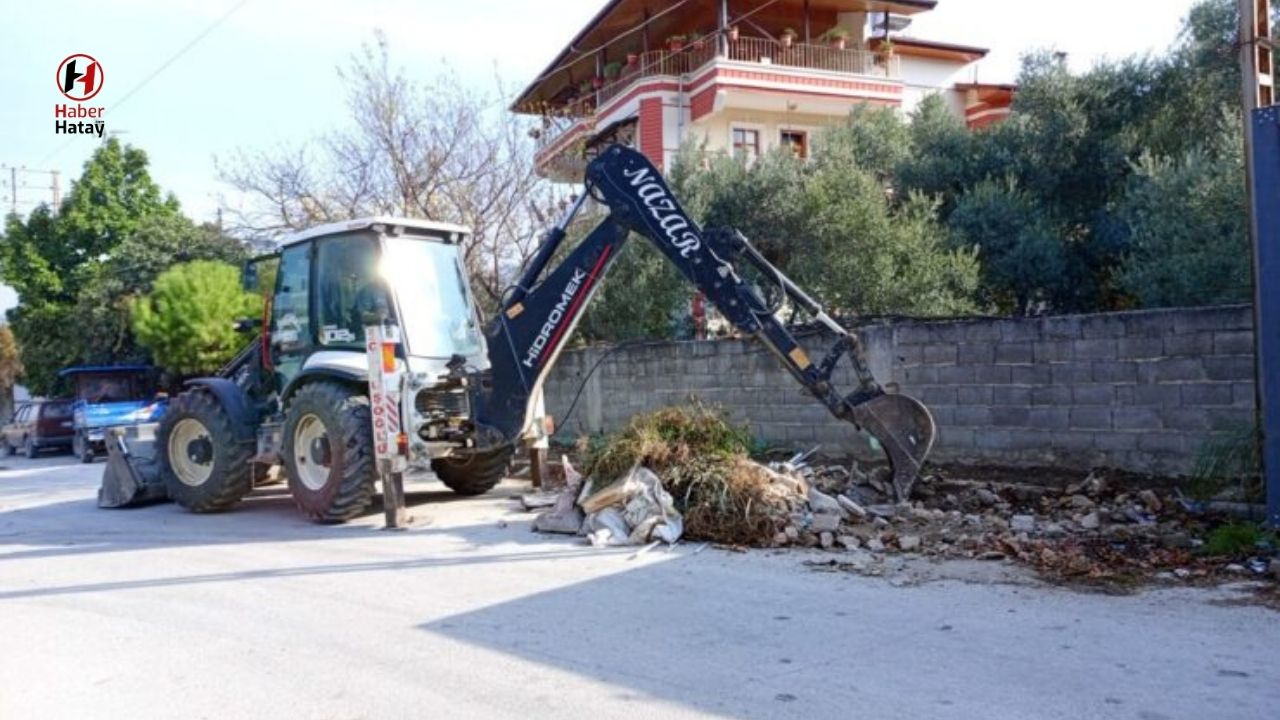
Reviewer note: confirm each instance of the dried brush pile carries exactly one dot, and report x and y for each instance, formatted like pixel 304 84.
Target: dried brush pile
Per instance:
pixel 704 462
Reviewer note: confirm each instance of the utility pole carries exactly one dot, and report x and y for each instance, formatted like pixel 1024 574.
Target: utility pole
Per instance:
pixel 1262 177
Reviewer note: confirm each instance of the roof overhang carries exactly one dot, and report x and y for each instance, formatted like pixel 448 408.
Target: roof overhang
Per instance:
pixel 628 26
pixel 999 94
pixel 915 47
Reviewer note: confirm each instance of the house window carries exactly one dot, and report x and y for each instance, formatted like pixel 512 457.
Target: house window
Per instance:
pixel 797 142
pixel 746 143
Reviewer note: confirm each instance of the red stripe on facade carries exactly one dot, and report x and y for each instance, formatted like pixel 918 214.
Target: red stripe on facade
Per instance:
pixel 701 104
pixel 815 93
pixel 651 140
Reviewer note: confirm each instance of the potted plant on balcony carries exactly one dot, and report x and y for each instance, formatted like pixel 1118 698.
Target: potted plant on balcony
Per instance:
pixel 696 40
pixel 612 70
pixel 837 37
pixel 597 82
pixel 675 43
pixel 788 37
pixel 884 53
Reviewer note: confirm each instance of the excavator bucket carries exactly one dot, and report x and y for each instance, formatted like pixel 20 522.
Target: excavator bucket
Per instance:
pixel 905 430
pixel 129 480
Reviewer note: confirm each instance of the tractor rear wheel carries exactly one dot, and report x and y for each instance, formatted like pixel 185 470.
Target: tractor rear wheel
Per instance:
pixel 328 452
pixel 205 467
pixel 475 473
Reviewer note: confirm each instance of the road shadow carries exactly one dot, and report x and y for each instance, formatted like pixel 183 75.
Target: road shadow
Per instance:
pixel 78 526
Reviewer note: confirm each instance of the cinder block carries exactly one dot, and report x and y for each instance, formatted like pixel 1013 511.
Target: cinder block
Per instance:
pixel 909 354
pixel 1102 326
pixel 1072 440
pixel 1114 371
pixel 1231 367
pixel 940 354
pixel 973 395
pixel 1093 394
pixel 1049 418
pixel 1009 353
pixel 1243 395
pixel 1189 320
pixel 1171 370
pixel 1009 416
pixel 1116 441
pixel 911 334
pixel 1029 375
pixel 1233 342
pixel 1194 344
pixel 1095 349
pixel 1051 395
pixel 993 374
pixel 1091 418
pixel 922 375
pixel 937 395
pixel 1071 373
pixel 1160 442
pixel 1150 324
pixel 976 353
pixel 1051 351
pixel 1035 440
pixel 947 333
pixel 1062 327
pixel 1019 329
pixel 1136 418
pixel 950 437
pixel 1205 394
pixel 982 331
pixel 992 440
pixel 1185 419
pixel 1011 395
pixel 1157 395
pixel 955 374
pixel 972 415
pixel 1133 348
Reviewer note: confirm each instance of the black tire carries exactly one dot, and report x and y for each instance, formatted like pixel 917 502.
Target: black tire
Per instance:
pixel 6 448
pixel 475 473
pixel 227 457
pixel 340 463
pixel 82 448
pixel 29 448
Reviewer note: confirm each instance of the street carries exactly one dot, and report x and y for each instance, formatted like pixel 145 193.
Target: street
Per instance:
pixel 256 613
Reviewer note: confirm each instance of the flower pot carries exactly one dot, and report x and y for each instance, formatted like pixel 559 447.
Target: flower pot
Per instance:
pixel 597 82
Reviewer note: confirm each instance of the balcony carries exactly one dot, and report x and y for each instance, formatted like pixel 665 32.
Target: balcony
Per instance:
pixel 578 116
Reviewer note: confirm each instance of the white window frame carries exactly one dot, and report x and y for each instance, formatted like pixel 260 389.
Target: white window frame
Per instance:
pixel 761 138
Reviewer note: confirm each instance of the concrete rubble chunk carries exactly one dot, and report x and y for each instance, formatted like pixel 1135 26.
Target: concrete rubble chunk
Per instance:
pixel 851 542
pixel 1022 523
pixel 909 543
pixel 823 522
pixel 851 508
pixel 1151 500
pixel 826 540
pixel 1090 521
pixel 823 503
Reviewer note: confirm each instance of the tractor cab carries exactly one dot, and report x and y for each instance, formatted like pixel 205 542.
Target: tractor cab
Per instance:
pixel 334 280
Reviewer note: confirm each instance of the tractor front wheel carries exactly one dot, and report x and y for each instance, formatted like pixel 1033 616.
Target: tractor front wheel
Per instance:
pixel 328 452
pixel 474 473
pixel 204 465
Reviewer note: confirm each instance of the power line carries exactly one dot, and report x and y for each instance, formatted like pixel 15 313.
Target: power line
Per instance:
pixel 163 66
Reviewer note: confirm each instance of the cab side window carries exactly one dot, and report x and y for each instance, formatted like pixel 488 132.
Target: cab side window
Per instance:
pixel 290 315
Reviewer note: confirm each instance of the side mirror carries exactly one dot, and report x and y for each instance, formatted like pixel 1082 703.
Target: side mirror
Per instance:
pixel 249 277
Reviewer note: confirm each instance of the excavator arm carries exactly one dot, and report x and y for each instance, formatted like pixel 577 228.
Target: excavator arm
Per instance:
pixel 539 313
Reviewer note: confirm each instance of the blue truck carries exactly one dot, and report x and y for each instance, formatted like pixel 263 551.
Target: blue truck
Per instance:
pixel 112 396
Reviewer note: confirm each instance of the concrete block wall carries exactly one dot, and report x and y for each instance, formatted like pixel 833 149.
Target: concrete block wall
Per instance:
pixel 1138 391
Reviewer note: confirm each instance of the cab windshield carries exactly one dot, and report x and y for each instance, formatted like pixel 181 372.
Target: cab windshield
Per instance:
pixel 436 311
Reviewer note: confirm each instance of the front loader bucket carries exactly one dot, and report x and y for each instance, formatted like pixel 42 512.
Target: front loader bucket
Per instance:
pixel 128 480
pixel 905 430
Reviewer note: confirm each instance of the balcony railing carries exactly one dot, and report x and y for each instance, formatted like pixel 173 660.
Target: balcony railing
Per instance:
pixel 855 61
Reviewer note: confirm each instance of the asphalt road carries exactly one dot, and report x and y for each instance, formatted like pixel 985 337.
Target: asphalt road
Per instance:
pixel 156 613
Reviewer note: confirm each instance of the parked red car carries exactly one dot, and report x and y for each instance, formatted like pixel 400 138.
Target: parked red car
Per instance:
pixel 38 426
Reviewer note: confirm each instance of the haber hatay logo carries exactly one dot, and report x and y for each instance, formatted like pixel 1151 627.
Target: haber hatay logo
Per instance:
pixel 79 77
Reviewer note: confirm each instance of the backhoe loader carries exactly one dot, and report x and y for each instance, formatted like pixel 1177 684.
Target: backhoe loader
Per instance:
pixel 372 361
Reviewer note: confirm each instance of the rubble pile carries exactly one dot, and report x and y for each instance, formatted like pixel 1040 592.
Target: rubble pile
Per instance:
pixel 1093 531
pixel 686 471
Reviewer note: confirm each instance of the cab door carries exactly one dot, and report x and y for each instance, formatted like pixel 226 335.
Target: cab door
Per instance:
pixel 292 337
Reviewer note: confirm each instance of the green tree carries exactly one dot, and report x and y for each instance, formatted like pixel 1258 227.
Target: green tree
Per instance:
pixel 77 271
pixel 187 321
pixel 1189 242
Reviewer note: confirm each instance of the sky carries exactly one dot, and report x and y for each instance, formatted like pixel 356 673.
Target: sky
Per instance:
pixel 264 76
